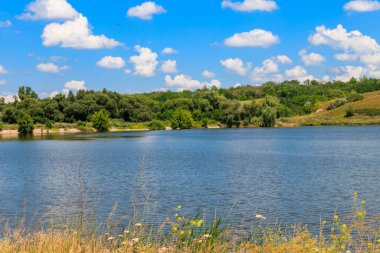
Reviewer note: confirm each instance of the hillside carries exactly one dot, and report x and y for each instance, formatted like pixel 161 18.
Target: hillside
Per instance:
pixel 337 116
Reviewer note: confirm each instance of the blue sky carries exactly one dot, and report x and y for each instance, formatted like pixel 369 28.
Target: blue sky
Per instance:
pixel 55 45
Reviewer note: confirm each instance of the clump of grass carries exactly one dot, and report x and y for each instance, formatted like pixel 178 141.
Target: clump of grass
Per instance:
pixel 180 232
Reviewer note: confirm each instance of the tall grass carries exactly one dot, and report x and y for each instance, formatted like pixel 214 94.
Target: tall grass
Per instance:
pixel 180 232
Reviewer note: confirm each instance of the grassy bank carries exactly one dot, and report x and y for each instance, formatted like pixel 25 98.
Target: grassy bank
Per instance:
pixel 182 233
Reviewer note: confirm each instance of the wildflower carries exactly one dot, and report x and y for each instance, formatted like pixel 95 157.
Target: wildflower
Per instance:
pixel 360 214
pixel 324 222
pixel 363 202
pixel 260 217
pixel 378 241
pixel 176 215
pixel 174 228
pixel 179 207
pixel 138 225
pixel 199 223
pixel 182 232
pixel 336 217
pixel 355 194
pixel 135 240
pixel 179 218
pixel 344 227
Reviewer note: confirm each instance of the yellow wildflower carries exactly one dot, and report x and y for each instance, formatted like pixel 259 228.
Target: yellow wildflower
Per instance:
pixel 179 207
pixel 336 217
pixel 199 223
pixel 174 228
pixel 182 232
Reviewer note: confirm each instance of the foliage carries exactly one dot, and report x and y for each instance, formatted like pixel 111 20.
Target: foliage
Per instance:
pixel 156 125
pixel 337 103
pixel 101 121
pixel 182 119
pixel 269 117
pixel 349 112
pixel 368 111
pixel 232 107
pixel 25 124
pixel 1 126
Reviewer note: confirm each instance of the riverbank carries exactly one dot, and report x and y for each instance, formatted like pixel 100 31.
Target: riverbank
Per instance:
pixel 181 233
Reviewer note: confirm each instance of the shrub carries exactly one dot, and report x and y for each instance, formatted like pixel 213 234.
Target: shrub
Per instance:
pixel 337 103
pixel 256 121
pixel 205 123
pixel 269 117
pixel 353 97
pixel 101 121
pixel 349 112
pixel 156 125
pixel 1 126
pixel 25 124
pixel 368 111
pixel 48 124
pixel 182 119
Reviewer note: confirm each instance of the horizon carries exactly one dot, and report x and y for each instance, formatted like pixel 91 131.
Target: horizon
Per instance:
pixel 138 47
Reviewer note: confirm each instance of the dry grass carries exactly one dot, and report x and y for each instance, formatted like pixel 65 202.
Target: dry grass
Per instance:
pixel 179 233
pixel 337 116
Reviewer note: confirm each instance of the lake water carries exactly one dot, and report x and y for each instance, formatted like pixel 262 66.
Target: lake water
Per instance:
pixel 290 174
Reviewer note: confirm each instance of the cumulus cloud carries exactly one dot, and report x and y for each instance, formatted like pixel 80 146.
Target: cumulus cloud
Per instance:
pixel 298 73
pixel 345 57
pixel 50 10
pixel 283 59
pixel 75 85
pixel 168 50
pixel 362 5
pixel 208 74
pixel 312 59
pixel 345 73
pixel 169 66
pixel 353 44
pixel 251 5
pixel 253 38
pixel 51 68
pixel 9 98
pixel 110 62
pixel 236 65
pixel 184 82
pixel 3 70
pixel 145 63
pixel 269 70
pixel 5 23
pixel 145 10
pixel 75 34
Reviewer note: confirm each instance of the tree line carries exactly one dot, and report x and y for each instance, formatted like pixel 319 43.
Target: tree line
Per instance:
pixel 230 107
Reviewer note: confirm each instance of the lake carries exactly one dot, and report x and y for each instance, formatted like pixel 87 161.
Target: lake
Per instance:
pixel 288 174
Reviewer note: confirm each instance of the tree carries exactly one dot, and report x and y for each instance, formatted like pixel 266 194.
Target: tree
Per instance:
pixel 182 119
pixel 25 124
pixel 101 121
pixel 26 92
pixel 1 126
pixel 269 117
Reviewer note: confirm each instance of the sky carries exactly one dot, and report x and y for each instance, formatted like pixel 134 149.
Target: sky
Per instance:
pixel 134 46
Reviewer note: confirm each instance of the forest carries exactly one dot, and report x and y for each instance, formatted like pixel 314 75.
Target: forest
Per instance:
pixel 242 106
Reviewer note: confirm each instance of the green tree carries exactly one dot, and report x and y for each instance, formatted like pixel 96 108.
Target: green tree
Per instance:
pixel 182 119
pixel 101 121
pixel 1 126
pixel 156 125
pixel 269 117
pixel 25 124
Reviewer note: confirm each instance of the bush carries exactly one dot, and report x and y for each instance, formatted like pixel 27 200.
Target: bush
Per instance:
pixel 368 111
pixel 337 103
pixel 256 121
pixel 182 119
pixel 101 121
pixel 1 126
pixel 349 112
pixel 269 117
pixel 353 97
pixel 25 124
pixel 205 123
pixel 48 124
pixel 156 125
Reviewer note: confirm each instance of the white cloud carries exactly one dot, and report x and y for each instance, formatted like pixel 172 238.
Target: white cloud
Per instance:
pixel 345 57
pixel 354 43
pixel 9 98
pixel 236 65
pixel 110 62
pixel 3 70
pixel 74 85
pixel 267 72
pixel 345 73
pixel 51 68
pixel 53 94
pixel 183 82
pixel 169 50
pixel 76 34
pixel 2 82
pixel 283 59
pixel 251 5
pixel 312 59
pixel 362 5
pixel 145 63
pixel 5 23
pixel 253 38
pixel 298 73
pixel 208 74
pixel 50 10
pixel 169 66
pixel 145 10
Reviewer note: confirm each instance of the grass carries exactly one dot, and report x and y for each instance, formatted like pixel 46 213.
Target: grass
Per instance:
pixel 183 233
pixel 364 113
